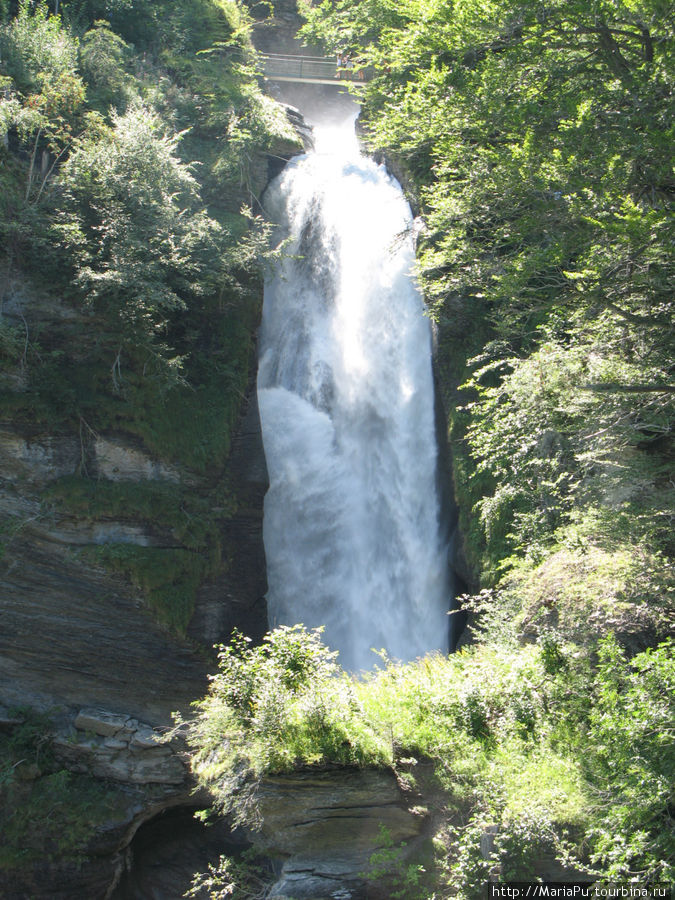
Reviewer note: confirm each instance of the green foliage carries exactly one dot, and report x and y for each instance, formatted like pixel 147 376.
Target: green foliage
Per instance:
pixel 104 197
pixel 189 421
pixel 129 217
pixel 45 812
pixel 12 345
pixel 244 878
pixel 27 743
pixel 168 578
pixel 467 866
pixel 103 62
pixel 34 47
pixel 632 733
pixel 585 592
pixel 42 106
pixel 271 708
pixel 75 805
pixel 388 866
pixel 555 447
pixel 556 755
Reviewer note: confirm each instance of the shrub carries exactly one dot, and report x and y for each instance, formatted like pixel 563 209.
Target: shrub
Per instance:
pixel 103 58
pixel 560 759
pixel 35 46
pixel 630 763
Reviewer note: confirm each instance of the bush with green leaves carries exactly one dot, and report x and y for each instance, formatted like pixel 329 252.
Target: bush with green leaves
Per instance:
pixel 42 108
pixel 558 437
pixel 34 47
pixel 243 878
pixel 565 759
pixel 131 219
pixel 631 766
pixel 104 58
pixel 113 208
pixel 271 708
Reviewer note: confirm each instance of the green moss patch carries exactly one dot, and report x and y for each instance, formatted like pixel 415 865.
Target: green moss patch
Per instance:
pixel 169 579
pixel 192 518
pixel 47 813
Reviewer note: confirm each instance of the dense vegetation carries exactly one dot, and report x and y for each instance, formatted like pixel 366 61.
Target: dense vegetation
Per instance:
pixel 568 759
pixel 536 138
pixel 131 142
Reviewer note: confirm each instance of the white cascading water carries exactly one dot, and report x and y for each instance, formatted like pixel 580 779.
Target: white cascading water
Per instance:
pixel 351 522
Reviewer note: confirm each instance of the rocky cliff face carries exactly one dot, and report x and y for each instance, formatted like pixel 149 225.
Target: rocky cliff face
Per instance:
pixel 323 827
pixel 275 28
pixel 80 639
pixel 105 774
pixel 75 633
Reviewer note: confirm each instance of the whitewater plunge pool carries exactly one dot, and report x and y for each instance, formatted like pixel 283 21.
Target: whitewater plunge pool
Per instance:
pixel 351 522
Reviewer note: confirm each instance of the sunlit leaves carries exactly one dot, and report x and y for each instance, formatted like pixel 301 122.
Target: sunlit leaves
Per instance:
pixel 554 444
pixel 632 733
pixel 131 216
pixel 34 44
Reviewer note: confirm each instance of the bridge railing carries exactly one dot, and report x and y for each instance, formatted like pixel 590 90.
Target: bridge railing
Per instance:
pixel 300 67
pixel 305 68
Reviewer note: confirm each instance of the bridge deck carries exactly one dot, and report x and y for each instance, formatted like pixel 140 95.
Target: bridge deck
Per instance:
pixel 309 69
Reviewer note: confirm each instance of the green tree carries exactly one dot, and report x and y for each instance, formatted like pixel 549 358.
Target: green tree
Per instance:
pixel 130 215
pixel 34 45
pixel 103 56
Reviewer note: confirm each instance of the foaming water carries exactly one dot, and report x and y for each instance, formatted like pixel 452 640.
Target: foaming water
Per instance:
pixel 345 388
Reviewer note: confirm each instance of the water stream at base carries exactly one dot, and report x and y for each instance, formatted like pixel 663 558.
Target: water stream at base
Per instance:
pixel 351 522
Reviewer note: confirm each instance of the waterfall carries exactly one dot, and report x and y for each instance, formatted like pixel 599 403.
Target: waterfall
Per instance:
pixel 351 520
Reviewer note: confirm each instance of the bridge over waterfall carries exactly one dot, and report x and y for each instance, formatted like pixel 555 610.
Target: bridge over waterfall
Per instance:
pixel 308 69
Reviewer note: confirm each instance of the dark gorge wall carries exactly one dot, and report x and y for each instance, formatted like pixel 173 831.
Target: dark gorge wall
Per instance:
pixel 81 644
pixel 75 631
pixel 237 598
pixel 114 591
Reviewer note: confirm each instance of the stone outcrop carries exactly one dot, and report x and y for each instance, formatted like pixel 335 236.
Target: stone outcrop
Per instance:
pixel 275 28
pixel 39 458
pixel 73 634
pixel 119 748
pixel 143 775
pixel 322 828
pixel 117 461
